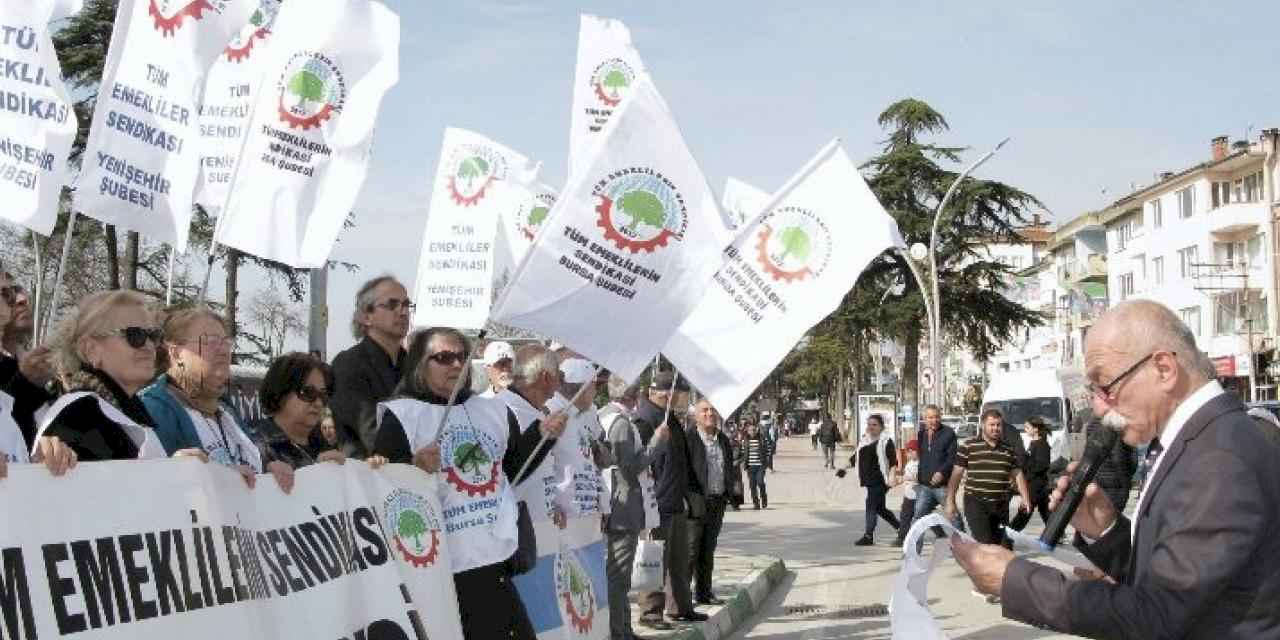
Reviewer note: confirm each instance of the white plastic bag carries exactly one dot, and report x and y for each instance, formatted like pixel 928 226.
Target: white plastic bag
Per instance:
pixel 646 571
pixel 909 616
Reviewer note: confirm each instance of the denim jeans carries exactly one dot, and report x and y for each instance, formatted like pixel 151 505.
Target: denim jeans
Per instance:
pixel 929 497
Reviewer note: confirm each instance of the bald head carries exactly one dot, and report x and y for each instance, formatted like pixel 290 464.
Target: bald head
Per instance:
pixel 1140 327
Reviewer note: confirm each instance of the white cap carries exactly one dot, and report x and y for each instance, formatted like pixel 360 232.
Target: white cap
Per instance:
pixel 498 351
pixel 578 371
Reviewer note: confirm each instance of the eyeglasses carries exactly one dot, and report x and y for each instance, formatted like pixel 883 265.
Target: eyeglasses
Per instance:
pixel 9 294
pixel 308 393
pixel 395 304
pixel 448 358
pixel 210 341
pixel 136 337
pixel 1103 391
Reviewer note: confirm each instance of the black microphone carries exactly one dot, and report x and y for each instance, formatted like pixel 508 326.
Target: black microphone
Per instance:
pixel 1101 441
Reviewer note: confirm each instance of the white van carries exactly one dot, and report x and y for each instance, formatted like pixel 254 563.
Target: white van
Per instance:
pixel 1019 395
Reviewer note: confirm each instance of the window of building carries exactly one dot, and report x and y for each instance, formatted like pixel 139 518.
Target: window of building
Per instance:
pixel 1126 286
pixel 1126 231
pixel 1191 317
pixel 1157 215
pixel 1187 259
pixel 1251 187
pixel 1221 194
pixel 1157 270
pixel 1230 314
pixel 1227 256
pixel 1186 201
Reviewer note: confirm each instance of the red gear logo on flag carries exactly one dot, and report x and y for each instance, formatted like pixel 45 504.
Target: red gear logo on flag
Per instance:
pixel 315 88
pixel 792 244
pixel 576 590
pixel 414 527
pixel 259 28
pixel 168 22
pixel 471 460
pixel 472 170
pixel 640 210
pixel 531 218
pixel 611 80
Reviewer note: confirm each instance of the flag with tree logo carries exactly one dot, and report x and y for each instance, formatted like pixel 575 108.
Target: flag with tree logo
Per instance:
pixel 608 67
pixel 142 159
pixel 517 228
pixel 228 103
pixel 37 122
pixel 307 153
pixel 567 592
pixel 787 270
pixel 742 202
pixel 478 184
pixel 626 251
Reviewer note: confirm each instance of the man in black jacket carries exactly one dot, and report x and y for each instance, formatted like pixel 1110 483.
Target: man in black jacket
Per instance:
pixel 368 373
pixel 828 435
pixel 671 472
pixel 711 456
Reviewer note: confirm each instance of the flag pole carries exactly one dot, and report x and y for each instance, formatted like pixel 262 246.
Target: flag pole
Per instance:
pixel 168 291
pixel 573 412
pixel 34 302
pixel 57 278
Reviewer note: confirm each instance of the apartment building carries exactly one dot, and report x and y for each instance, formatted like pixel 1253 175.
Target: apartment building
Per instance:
pixel 1201 241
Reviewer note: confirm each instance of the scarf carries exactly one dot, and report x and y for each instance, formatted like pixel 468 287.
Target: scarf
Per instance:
pixel 98 382
pixel 881 459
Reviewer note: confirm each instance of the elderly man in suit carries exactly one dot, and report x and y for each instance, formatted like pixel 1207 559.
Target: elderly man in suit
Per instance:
pixel 1201 558
pixel 711 457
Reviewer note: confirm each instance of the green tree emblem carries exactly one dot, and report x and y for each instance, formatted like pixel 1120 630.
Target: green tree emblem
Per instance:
pixel 472 168
pixel 642 206
pixel 308 87
pixel 795 242
pixel 412 526
pixel 471 457
pixel 538 215
pixel 257 18
pixel 577 580
pixel 615 80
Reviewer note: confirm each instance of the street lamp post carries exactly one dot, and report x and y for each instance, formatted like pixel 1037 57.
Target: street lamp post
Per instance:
pixel 934 307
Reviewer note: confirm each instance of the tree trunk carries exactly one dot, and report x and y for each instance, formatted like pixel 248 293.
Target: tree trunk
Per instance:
pixel 113 257
pixel 908 384
pixel 131 261
pixel 233 274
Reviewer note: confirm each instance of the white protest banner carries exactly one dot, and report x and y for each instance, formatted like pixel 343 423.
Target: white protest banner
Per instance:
pixel 579 484
pixel 625 253
pixel 784 273
pixel 478 182
pixel 37 123
pixel 608 67
pixel 567 593
pixel 307 153
pixel 143 155
pixel 517 229
pixel 742 202
pixel 349 553
pixel 228 103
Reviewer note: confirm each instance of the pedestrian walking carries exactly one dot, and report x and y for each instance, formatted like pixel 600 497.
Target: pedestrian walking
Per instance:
pixel 938 445
pixel 828 436
pixel 875 459
pixel 1036 470
pixel 756 450
pixel 814 425
pixel 910 479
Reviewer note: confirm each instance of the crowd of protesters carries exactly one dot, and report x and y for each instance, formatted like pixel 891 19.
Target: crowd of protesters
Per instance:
pixel 119 379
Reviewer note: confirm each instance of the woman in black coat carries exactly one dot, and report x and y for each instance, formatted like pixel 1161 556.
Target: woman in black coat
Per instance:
pixel 1036 469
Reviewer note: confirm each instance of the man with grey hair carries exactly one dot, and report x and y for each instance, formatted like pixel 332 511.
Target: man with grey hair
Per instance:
pixel 368 372
pixel 535 379
pixel 632 453
pixel 1201 558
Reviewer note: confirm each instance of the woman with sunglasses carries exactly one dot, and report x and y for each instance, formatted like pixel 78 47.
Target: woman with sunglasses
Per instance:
pixel 294 394
pixel 105 355
pixel 481 450
pixel 185 401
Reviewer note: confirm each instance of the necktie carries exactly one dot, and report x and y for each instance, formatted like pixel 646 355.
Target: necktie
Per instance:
pixel 1153 452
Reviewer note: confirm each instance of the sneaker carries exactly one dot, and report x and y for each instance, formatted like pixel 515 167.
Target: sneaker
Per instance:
pixel 993 599
pixel 974 593
pixel 692 616
pixel 864 541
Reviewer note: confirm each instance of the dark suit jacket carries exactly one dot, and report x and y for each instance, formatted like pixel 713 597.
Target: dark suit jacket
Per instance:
pixel 363 377
pixel 1206 559
pixel 698 460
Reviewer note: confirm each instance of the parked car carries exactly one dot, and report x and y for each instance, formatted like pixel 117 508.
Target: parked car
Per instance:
pixel 1272 406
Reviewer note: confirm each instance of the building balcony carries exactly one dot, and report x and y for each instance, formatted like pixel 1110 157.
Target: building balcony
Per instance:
pixel 1091 269
pixel 1236 218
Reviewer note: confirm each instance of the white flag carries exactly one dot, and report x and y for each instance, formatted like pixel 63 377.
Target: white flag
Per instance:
pixel 608 67
pixel 37 122
pixel 742 202
pixel 478 182
pixel 143 155
pixel 627 249
pixel 784 273
pixel 517 229
pixel 307 154
pixel 228 103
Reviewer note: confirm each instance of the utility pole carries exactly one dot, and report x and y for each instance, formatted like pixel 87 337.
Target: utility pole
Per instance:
pixel 318 324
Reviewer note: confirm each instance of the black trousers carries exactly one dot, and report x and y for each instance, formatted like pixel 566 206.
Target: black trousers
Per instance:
pixel 489 605
pixel 1023 518
pixel 906 515
pixel 704 532
pixel 875 507
pixel 675 597
pixel 986 518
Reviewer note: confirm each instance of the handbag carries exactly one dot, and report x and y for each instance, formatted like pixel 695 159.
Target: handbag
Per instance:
pixel 646 569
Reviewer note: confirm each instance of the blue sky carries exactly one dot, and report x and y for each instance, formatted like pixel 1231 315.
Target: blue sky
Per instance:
pixel 1096 95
